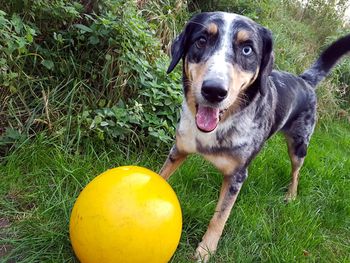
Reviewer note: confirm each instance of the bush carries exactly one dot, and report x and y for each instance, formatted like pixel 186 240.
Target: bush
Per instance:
pixel 96 76
pixel 94 70
pixel 147 98
pixel 16 38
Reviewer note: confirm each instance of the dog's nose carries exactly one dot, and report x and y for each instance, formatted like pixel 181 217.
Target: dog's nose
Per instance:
pixel 213 90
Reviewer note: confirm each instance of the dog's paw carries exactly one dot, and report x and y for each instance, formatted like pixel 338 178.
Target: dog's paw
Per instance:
pixel 202 254
pixel 289 197
pixel 205 250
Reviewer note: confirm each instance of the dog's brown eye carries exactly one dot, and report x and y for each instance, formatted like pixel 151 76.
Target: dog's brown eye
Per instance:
pixel 201 42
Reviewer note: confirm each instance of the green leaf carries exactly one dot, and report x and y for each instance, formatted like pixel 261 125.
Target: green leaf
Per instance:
pixel 47 64
pixel 102 103
pixel 98 119
pixel 108 57
pixel 94 40
pixel 13 89
pixel 29 38
pixel 83 28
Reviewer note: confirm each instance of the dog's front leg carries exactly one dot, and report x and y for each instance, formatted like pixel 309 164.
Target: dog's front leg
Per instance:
pixel 228 195
pixel 175 158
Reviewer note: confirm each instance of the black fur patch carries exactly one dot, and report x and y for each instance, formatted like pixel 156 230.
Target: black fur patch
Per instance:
pixel 326 61
pixel 233 189
pixel 300 150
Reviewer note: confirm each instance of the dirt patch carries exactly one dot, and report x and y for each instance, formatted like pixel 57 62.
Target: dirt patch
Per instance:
pixel 4 223
pixel 4 248
pixel 4 95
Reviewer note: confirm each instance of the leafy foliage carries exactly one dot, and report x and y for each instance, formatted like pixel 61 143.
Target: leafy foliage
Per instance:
pixel 95 69
pixel 15 38
pixel 98 76
pixel 146 97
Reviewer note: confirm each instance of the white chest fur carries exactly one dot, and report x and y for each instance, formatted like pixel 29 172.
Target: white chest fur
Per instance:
pixel 189 137
pixel 188 134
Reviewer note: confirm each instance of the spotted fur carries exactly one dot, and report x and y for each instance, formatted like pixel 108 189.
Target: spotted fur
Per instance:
pixel 227 68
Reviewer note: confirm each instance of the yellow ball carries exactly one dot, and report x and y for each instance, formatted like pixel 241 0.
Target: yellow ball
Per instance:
pixel 127 214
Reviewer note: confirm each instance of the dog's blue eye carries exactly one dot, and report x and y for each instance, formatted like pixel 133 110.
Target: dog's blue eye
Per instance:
pixel 201 42
pixel 247 50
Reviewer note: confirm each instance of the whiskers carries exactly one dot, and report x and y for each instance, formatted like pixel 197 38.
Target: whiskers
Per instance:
pixel 197 23
pixel 188 83
pixel 242 98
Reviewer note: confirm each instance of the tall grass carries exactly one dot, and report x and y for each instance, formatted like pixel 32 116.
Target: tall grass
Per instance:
pixel 99 76
pixel 166 17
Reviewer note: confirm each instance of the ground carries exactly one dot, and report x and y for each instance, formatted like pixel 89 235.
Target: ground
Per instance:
pixel 40 182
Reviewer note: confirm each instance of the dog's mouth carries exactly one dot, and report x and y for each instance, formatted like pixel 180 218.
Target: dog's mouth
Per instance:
pixel 208 118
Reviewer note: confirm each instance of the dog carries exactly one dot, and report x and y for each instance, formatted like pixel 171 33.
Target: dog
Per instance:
pixel 234 101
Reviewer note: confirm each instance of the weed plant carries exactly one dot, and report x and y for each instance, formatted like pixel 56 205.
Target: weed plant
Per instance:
pixel 97 76
pixel 95 70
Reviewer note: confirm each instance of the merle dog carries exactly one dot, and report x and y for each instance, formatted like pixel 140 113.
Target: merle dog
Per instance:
pixel 234 102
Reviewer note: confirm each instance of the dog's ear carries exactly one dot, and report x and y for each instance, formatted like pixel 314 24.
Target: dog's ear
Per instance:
pixel 177 51
pixel 267 59
pixel 181 44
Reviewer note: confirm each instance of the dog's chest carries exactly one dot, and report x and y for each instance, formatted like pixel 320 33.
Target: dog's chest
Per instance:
pixel 235 134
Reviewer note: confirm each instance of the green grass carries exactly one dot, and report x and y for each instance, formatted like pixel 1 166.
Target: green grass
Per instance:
pixel 40 181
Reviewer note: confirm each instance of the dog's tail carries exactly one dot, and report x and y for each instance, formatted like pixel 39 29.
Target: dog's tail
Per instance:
pixel 320 69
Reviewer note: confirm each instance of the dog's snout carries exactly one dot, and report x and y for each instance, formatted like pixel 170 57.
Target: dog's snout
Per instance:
pixel 214 90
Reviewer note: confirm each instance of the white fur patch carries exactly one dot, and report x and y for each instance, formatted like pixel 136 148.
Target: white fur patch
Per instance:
pixel 218 67
pixel 188 133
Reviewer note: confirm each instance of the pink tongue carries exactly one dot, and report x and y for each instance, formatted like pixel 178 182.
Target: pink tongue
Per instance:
pixel 207 118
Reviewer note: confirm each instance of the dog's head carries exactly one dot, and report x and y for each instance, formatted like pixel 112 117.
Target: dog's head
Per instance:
pixel 223 56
